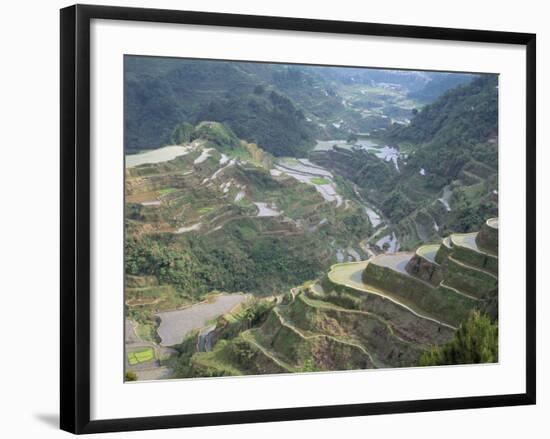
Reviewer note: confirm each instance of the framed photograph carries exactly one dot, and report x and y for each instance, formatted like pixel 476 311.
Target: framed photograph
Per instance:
pixel 268 218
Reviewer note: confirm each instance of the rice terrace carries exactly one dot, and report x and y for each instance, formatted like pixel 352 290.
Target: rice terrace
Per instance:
pixel 140 356
pixel 296 218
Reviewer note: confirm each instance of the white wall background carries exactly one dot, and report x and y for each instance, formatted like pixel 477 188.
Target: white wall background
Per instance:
pixel 29 186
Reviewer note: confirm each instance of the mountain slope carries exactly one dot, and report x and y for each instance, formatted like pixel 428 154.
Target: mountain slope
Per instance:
pixel 465 115
pixel 161 93
pixel 393 315
pixel 445 178
pixel 309 101
pixel 438 85
pixel 219 216
pixel 266 118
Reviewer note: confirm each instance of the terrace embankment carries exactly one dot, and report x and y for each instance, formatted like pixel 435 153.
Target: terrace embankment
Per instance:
pixel 487 238
pixel 442 282
pixel 383 312
pixel 419 295
pixel 423 265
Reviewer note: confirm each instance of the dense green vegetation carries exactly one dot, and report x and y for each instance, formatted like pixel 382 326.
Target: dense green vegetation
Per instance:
pixel 238 260
pixel 161 93
pixel 268 119
pixel 476 341
pixel 454 131
pixel 220 135
pixel 463 116
pixel 182 133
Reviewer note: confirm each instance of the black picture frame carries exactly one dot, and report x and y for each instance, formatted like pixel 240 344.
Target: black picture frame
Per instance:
pixel 75 217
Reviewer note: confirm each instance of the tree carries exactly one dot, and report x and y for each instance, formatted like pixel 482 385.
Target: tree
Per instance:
pixel 182 133
pixel 352 138
pixel 259 89
pixel 476 341
pixel 130 376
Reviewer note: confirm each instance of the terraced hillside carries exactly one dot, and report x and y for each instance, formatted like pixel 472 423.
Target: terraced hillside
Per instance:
pixel 226 208
pixel 431 181
pixel 383 312
pixel 216 213
pixel 255 244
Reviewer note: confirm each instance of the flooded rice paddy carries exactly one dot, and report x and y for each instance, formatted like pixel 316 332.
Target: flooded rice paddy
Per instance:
pixel 175 325
pixel 265 209
pixel 303 170
pixel 158 155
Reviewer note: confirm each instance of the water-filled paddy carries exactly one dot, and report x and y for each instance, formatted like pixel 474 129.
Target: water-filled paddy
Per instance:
pixel 175 325
pixel 158 155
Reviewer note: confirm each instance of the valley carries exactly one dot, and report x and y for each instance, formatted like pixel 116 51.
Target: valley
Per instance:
pixel 250 256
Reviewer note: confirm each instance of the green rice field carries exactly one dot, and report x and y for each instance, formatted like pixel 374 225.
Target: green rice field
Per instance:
pixel 141 356
pixel 319 180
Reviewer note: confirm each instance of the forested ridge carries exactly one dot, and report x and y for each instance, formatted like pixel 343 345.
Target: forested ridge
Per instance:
pixel 266 118
pixel 463 116
pixel 167 92
pixel 284 108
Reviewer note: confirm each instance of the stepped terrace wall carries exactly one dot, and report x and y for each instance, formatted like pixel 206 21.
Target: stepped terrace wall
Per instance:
pixel 235 357
pixel 424 269
pixel 374 334
pixel 470 280
pixel 321 351
pixel 487 237
pixel 404 323
pixel 441 304
pixel 476 259
pixel 444 250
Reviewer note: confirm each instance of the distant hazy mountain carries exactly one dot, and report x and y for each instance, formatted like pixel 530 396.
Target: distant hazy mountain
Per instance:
pixel 281 107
